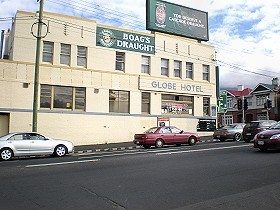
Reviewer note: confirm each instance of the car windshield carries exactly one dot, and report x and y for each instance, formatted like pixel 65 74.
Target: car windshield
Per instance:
pixel 252 124
pixel 275 126
pixel 151 130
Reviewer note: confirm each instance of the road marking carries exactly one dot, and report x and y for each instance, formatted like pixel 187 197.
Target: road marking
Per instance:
pixel 129 153
pixel 200 150
pixel 61 163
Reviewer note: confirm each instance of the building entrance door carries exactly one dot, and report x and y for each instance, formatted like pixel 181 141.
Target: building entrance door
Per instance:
pixel 4 123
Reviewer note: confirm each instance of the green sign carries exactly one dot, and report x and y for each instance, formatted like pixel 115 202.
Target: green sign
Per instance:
pixel 222 102
pixel 123 40
pixel 175 19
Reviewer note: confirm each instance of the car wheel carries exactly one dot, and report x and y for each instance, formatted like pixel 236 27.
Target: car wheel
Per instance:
pixel 237 137
pixel 60 151
pixel 6 154
pixel 146 146
pixel 192 141
pixel 159 143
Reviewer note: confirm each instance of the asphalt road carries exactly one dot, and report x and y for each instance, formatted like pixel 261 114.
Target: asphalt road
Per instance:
pixel 229 175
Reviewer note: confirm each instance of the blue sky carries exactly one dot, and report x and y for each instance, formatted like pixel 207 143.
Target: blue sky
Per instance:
pixel 245 33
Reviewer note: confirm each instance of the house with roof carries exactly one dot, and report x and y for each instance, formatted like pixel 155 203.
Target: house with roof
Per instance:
pixel 256 99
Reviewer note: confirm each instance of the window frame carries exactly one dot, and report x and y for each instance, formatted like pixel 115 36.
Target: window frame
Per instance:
pixel 172 104
pixel 164 68
pixel 120 103
pixel 120 61
pixel 65 54
pixel 145 67
pixel 189 71
pixel 206 106
pixel 206 72
pixel 177 69
pixel 145 104
pixel 82 56
pixel 48 53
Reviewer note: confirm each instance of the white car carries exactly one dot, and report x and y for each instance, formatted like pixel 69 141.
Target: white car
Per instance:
pixel 32 143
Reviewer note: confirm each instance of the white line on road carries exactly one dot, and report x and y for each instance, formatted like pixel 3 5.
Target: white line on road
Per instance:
pixel 200 150
pixel 61 163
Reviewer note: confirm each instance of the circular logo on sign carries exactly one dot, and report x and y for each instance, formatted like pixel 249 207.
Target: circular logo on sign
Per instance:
pixel 107 38
pixel 160 14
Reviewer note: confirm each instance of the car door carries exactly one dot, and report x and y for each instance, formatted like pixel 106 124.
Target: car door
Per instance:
pixel 39 144
pixel 20 144
pixel 166 135
pixel 178 135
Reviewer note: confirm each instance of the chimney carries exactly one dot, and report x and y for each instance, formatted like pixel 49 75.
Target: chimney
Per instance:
pixel 240 87
pixel 275 81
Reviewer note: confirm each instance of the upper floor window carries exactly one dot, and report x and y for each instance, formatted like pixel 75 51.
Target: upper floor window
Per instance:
pixel 177 68
pixel 229 103
pixel 48 52
pixel 206 106
pixel 164 67
pixel 146 103
pixel 119 101
pixel 189 70
pixel 65 52
pixel 145 66
pixel 120 61
pixel 82 56
pixel 261 100
pixel 206 72
pixel 62 97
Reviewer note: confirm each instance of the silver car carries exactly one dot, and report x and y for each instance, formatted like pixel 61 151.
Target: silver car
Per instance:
pixel 233 131
pixel 32 143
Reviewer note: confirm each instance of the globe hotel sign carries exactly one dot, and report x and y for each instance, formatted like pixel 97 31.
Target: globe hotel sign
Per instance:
pixel 162 85
pixel 123 40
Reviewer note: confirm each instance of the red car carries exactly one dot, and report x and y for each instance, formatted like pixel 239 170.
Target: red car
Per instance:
pixel 159 136
pixel 269 139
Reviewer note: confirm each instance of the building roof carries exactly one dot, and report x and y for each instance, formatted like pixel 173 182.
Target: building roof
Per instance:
pixel 238 93
pixel 267 87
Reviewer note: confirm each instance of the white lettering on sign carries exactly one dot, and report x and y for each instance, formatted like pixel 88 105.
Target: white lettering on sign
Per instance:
pixel 173 86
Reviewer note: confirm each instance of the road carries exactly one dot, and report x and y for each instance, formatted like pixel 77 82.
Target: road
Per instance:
pixel 228 175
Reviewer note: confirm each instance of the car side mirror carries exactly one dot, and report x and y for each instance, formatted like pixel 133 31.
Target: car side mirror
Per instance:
pixel 181 131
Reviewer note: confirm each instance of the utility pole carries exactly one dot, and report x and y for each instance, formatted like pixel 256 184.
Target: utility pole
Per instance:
pixel 37 66
pixel 243 110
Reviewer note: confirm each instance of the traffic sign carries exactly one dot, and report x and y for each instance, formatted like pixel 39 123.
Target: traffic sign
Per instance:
pixel 222 102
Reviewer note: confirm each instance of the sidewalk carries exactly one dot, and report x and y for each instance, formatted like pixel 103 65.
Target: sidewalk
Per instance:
pixel 122 146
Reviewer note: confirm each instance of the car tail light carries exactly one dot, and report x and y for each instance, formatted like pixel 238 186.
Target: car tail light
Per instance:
pixel 257 129
pixel 225 132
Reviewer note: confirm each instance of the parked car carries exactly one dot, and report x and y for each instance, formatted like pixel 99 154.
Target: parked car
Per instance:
pixel 269 139
pixel 233 131
pixel 32 143
pixel 159 136
pixel 254 127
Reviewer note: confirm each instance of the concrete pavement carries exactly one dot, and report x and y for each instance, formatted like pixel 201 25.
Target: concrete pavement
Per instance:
pixel 122 146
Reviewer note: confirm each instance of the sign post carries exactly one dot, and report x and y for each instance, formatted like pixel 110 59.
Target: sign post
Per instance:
pixel 222 104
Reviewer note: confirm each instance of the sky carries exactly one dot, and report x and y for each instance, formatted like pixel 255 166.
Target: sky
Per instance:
pixel 245 33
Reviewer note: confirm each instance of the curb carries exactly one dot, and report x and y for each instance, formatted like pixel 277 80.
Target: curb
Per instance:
pixel 121 148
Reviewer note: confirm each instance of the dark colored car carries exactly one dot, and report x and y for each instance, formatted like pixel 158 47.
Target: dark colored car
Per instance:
pixel 233 131
pixel 269 139
pixel 159 136
pixel 254 127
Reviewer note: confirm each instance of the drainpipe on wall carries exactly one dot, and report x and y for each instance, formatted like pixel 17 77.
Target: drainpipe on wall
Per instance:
pixel 2 43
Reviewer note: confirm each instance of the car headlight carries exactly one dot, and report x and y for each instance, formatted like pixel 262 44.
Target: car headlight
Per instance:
pixel 276 136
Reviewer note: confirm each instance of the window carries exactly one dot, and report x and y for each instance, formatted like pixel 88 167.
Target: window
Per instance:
pixel 145 66
pixel 177 68
pixel 205 72
pixel 229 103
pixel 118 101
pixel 62 97
pixel 189 70
pixel 146 103
pixel 261 100
pixel 176 104
pixel 206 106
pixel 65 52
pixel 227 119
pixel 82 56
pixel 48 52
pixel 120 61
pixel 164 67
